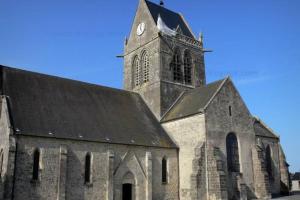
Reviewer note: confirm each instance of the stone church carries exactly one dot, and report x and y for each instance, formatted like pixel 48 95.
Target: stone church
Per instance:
pixel 168 135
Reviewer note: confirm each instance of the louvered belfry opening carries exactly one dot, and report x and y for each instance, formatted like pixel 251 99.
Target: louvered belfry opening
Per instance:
pixel 176 67
pixel 187 67
pixel 145 63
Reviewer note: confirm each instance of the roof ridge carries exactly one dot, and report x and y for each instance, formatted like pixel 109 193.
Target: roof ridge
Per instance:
pixel 217 91
pixel 64 79
pixel 181 100
pixel 171 18
pixel 205 86
pixel 188 26
pixel 266 126
pixel 147 1
pixel 175 103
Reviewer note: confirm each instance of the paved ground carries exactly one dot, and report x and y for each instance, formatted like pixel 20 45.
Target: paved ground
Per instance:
pixel 292 197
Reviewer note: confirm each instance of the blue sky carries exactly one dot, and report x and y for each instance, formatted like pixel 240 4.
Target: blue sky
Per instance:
pixel 256 42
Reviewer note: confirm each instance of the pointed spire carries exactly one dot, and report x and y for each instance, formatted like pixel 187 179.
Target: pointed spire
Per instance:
pixel 201 38
pixel 161 3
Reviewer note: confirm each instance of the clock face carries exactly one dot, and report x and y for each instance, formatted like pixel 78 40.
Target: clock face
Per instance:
pixel 140 29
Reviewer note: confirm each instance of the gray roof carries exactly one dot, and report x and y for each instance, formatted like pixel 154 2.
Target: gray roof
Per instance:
pixel 296 176
pixel 42 104
pixel 193 101
pixel 261 129
pixel 171 19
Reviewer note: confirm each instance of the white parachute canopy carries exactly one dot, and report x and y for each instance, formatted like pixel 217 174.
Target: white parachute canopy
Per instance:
pixel 164 28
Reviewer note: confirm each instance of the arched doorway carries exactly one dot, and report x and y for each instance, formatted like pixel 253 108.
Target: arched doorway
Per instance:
pixel 128 187
pixel 233 166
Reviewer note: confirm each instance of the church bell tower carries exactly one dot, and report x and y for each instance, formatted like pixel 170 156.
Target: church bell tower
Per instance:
pixel 162 57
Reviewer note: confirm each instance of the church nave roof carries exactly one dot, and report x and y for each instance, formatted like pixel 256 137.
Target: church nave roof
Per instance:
pixel 48 106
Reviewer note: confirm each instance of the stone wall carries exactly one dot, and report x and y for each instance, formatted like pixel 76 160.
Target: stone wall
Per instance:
pixel 135 46
pixel 274 180
pixel 217 180
pixel 284 173
pixel 189 135
pixel 198 177
pixel 62 168
pixel 171 90
pixel 220 122
pixel 7 145
pixel 295 186
pixel 160 92
pixel 261 179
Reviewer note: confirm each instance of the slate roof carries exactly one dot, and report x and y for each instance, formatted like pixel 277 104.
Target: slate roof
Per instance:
pixel 261 129
pixel 296 176
pixel 42 104
pixel 171 19
pixel 193 101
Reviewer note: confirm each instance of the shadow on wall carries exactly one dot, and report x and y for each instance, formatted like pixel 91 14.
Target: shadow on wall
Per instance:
pixel 1 187
pixel 284 189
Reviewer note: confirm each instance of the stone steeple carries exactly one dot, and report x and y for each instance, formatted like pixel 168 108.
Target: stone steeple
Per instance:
pixel 158 64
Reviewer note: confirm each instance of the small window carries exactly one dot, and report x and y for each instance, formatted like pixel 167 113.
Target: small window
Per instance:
pixel 230 111
pixel 164 171
pixel 1 161
pixel 88 168
pixel 36 165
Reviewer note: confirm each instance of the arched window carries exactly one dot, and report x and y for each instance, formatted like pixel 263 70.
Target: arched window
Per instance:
pixel 164 170
pixel 269 162
pixel 1 161
pixel 36 165
pixel 187 63
pixel 136 71
pixel 88 168
pixel 176 67
pixel 232 148
pixel 145 63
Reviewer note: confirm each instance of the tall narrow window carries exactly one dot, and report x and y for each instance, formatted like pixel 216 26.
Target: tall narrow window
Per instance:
pixel 164 171
pixel 176 67
pixel 230 111
pixel 88 168
pixel 187 62
pixel 269 162
pixel 1 161
pixel 36 165
pixel 232 148
pixel 136 70
pixel 146 66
